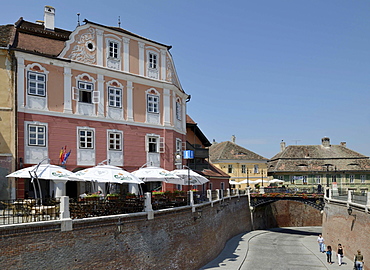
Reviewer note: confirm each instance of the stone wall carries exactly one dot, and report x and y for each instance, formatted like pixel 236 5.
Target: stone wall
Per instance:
pixel 285 214
pixel 352 231
pixel 174 239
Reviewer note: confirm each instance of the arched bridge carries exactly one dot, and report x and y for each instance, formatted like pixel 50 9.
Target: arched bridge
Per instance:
pixel 314 200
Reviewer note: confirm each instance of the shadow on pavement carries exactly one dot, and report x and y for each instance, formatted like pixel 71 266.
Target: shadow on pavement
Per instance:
pixel 228 253
pixel 313 231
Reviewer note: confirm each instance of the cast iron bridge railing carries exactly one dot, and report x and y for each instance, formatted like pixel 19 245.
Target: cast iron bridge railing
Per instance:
pixel 315 200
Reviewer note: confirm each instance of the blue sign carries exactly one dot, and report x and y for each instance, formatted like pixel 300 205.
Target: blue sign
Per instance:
pixel 188 154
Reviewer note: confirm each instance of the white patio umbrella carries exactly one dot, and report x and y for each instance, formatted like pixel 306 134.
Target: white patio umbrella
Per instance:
pixel 106 174
pixel 276 181
pixel 231 182
pixel 251 181
pixel 189 177
pixel 45 171
pixel 155 174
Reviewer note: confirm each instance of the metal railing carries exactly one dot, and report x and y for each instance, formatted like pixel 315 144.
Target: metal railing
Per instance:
pixel 96 207
pixel 31 210
pixel 294 190
pixel 28 210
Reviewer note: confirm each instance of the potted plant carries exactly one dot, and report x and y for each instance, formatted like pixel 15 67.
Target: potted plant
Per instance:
pixel 112 196
pixel 92 197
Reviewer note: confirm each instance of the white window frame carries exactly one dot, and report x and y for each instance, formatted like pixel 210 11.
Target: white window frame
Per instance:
pixel 37 82
pixel 255 169
pixel 179 145
pixel 244 168
pixel 153 144
pixel 39 135
pixel 178 110
pixel 85 92
pixel 113 49
pixel 115 141
pixel 363 178
pixel 152 102
pixel 87 137
pixel 153 60
pixel 318 179
pixel 114 97
pixel 351 178
pixel 230 168
pixel 304 179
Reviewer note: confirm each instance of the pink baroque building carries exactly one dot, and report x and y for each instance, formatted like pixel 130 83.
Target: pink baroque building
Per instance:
pixel 100 91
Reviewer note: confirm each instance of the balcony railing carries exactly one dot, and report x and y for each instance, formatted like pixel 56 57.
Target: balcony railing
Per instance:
pixel 198 151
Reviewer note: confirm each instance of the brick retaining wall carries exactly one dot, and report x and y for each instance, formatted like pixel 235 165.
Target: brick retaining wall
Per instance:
pixel 174 239
pixel 285 214
pixel 351 231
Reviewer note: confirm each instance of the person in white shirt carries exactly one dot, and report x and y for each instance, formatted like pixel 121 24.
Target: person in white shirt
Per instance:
pixel 320 240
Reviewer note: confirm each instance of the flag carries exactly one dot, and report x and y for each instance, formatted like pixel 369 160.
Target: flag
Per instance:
pixel 66 157
pixel 62 153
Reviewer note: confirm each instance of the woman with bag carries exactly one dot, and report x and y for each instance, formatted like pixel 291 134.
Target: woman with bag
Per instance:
pixel 359 260
pixel 340 254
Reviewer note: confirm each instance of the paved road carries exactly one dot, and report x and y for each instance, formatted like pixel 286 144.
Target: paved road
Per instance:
pixel 293 248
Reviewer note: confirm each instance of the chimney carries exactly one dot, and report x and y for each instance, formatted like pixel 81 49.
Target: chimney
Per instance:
pixel 49 16
pixel 325 142
pixel 282 146
pixel 233 138
pixel 344 144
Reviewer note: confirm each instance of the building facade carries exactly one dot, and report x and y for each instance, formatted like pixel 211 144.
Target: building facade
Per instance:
pixel 7 116
pixel 197 142
pixel 334 166
pixel 100 93
pixel 239 163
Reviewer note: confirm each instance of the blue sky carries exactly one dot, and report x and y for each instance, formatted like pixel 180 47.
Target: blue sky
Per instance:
pixel 264 71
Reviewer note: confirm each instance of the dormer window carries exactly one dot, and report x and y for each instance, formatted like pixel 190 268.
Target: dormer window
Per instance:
pixel 113 49
pixel 153 60
pixel 152 64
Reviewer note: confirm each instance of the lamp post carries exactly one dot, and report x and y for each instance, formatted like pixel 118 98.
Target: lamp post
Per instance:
pixel 262 176
pixel 327 179
pixel 247 177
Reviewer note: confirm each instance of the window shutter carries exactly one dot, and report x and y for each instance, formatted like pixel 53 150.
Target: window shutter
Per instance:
pixel 161 145
pixel 146 143
pixel 96 97
pixel 75 93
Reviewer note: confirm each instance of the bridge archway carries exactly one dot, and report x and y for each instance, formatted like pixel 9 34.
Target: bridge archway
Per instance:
pixel 272 213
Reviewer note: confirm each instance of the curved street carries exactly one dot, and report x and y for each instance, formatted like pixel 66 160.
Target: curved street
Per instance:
pixel 292 248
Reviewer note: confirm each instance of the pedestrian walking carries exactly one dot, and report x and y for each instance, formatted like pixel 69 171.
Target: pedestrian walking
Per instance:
pixel 340 254
pixel 359 260
pixel 320 240
pixel 328 255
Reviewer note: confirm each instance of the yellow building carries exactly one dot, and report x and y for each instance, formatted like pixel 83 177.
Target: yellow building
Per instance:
pixel 240 163
pixel 7 120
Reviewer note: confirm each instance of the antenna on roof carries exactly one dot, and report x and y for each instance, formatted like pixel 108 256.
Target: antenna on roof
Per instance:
pixel 119 21
pixel 78 19
pixel 296 141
